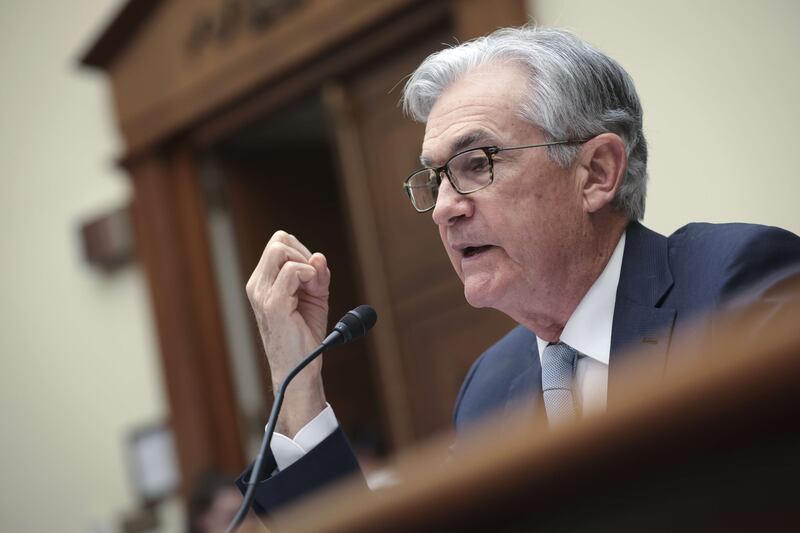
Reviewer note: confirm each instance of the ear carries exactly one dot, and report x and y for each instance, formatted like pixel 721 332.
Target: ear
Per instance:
pixel 601 166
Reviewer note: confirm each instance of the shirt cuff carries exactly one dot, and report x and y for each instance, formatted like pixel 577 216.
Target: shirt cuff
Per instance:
pixel 286 451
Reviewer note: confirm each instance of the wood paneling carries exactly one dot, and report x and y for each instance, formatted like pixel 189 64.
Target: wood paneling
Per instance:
pixel 361 214
pixel 426 351
pixel 389 35
pixel 156 97
pixel 173 248
pixel 473 18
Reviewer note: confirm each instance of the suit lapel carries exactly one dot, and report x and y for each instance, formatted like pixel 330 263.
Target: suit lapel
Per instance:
pixel 640 323
pixel 527 386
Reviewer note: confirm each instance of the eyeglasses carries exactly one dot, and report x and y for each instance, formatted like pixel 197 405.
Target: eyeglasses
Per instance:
pixel 468 171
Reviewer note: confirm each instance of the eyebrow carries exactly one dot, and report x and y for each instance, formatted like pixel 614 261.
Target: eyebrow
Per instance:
pixel 462 143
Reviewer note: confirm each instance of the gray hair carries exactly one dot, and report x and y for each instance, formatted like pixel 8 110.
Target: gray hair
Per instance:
pixel 577 92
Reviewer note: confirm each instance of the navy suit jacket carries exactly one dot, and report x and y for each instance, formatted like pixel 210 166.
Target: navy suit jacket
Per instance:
pixel 666 283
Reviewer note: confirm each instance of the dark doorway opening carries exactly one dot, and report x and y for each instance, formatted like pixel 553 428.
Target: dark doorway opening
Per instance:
pixel 280 172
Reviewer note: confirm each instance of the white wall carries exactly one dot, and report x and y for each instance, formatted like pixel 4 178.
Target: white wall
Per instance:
pixel 719 85
pixel 78 365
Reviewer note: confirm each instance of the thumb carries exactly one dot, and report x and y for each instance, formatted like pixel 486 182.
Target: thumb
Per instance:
pixel 322 279
pixel 306 274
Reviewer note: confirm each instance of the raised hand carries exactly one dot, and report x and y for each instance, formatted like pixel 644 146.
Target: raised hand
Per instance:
pixel 288 292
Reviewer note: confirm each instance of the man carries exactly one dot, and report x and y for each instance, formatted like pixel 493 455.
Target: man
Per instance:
pixel 536 172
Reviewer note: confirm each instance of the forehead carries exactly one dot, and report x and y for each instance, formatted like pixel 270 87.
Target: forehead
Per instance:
pixel 480 108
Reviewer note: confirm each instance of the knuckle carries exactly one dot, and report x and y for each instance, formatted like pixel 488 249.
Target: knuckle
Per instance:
pixel 253 294
pixel 272 258
pixel 289 268
pixel 280 236
pixel 277 251
pixel 253 282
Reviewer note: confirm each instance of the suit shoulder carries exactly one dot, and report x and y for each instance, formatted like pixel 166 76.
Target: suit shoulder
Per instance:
pixel 486 386
pixel 731 234
pixel 501 359
pixel 732 257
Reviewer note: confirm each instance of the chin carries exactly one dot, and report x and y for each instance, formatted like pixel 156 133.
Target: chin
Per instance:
pixel 480 295
pixel 473 301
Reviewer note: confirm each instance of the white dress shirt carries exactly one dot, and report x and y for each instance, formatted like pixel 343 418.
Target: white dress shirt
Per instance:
pixel 588 330
pixel 286 450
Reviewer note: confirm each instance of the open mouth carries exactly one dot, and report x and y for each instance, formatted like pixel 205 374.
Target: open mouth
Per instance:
pixel 472 251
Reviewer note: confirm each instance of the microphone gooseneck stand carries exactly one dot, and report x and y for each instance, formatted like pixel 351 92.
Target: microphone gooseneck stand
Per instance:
pixel 353 325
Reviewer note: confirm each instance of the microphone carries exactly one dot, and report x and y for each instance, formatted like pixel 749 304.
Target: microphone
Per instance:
pixel 352 326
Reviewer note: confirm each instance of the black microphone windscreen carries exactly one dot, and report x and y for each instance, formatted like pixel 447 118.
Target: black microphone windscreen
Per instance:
pixel 356 323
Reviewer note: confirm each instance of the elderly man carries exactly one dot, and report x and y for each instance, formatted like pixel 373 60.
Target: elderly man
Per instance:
pixel 535 175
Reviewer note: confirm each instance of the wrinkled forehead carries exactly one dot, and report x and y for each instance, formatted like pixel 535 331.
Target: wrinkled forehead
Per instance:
pixel 482 108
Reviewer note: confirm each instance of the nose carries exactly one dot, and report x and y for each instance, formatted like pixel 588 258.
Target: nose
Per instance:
pixel 450 205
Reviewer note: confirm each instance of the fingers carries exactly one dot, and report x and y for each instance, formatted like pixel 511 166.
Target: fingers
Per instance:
pixel 282 247
pixel 286 252
pixel 291 241
pixel 319 262
pixel 290 277
pixel 276 255
pixel 318 284
pixel 288 292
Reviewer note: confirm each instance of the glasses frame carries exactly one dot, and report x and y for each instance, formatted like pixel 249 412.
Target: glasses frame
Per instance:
pixel 490 152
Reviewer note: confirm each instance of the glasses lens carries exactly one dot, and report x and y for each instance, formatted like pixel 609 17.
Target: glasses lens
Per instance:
pixel 423 187
pixel 470 171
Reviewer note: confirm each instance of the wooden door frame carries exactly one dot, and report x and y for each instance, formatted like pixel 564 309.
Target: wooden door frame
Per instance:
pixel 173 248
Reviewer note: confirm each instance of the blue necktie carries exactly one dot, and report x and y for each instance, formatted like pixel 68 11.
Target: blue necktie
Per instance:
pixel 558 369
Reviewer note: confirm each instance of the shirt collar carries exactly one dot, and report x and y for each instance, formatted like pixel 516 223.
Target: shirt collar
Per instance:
pixel 588 330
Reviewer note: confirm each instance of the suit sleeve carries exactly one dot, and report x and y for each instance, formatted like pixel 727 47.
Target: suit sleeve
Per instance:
pixel 762 266
pixel 763 277
pixel 332 460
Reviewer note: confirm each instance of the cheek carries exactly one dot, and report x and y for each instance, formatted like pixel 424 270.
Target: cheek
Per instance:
pixel 538 212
